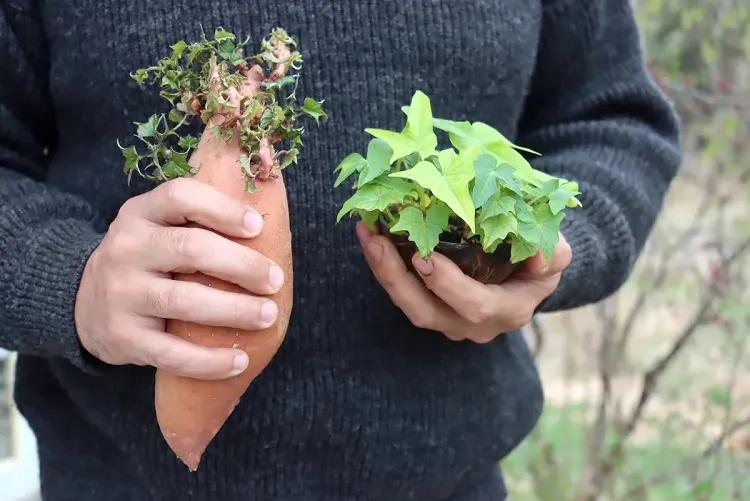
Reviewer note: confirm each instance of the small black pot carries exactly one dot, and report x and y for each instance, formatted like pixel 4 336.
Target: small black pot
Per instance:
pixel 469 257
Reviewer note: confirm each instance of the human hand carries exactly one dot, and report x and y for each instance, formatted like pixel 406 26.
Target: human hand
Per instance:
pixel 448 301
pixel 126 291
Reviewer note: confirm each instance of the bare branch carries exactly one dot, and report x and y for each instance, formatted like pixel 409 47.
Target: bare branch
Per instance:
pixel 652 376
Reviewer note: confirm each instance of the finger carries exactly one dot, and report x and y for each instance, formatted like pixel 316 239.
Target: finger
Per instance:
pixel 193 302
pixel 184 200
pixel 178 356
pixel 187 250
pixel 471 299
pixel 406 291
pixel 537 267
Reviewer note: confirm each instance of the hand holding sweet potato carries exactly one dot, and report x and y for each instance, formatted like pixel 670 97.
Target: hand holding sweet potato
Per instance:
pixel 127 292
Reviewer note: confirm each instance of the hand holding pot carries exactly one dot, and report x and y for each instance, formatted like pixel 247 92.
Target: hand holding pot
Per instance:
pixel 126 291
pixel 448 301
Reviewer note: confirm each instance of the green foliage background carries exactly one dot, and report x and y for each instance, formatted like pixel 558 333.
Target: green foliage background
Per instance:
pixel 648 393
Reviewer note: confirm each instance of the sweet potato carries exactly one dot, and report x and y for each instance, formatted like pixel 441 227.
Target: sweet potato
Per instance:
pixel 246 115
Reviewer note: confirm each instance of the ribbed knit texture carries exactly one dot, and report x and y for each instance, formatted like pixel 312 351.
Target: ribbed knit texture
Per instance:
pixel 358 405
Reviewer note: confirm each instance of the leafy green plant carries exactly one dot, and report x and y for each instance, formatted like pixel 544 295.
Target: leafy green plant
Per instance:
pixel 481 191
pixel 202 80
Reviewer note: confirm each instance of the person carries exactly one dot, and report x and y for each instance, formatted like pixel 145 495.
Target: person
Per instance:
pixel 390 386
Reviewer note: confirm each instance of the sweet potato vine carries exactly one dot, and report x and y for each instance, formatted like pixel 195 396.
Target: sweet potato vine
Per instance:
pixel 207 81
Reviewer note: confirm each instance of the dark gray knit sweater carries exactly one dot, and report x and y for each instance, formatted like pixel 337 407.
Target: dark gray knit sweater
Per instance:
pixel 358 404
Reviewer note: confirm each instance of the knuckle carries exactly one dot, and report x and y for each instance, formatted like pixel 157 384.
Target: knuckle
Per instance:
pixel 453 336
pixel 388 280
pixel 176 190
pixel 185 241
pixel 179 192
pixel 520 320
pixel 484 338
pixel 128 208
pixel 166 299
pixel 116 337
pixel 115 289
pixel 479 314
pixel 166 357
pixel 421 320
pixel 246 311
pixel 117 247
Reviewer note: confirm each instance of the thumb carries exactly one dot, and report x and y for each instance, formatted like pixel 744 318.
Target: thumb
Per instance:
pixel 533 267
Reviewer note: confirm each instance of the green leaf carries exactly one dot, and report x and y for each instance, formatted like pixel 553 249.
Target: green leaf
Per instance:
pixel 314 109
pixel 348 166
pixel 131 157
pixel 417 135
pixel 369 218
pixel 377 164
pixel 464 135
pixel 149 128
pixel 178 49
pixel 170 96
pixel 266 118
pixel 176 166
pixel 428 176
pixel 498 205
pixel 540 227
pixel 485 185
pixel 491 176
pixel 507 154
pixel 521 249
pixel 560 198
pixel 494 230
pixel 549 187
pixel 458 173
pixel 423 230
pixel 377 196
pixel 175 116
pixel 289 158
pixel 188 142
pixel 445 157
pixel 543 177
pixel 220 34
pixel 140 75
pixel 485 134
pixel 283 81
pixel 419 124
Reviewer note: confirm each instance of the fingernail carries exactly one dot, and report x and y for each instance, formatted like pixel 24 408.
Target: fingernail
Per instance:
pixel 253 222
pixel 240 363
pixel 375 250
pixel 268 312
pixel 422 266
pixel 276 277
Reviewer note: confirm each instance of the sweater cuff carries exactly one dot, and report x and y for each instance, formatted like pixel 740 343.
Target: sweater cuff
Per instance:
pixel 586 280
pixel 43 292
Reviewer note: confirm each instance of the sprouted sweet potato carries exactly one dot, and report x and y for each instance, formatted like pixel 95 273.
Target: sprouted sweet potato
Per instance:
pixel 247 109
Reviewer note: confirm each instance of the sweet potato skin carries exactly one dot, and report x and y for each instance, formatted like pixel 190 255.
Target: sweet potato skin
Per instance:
pixel 189 411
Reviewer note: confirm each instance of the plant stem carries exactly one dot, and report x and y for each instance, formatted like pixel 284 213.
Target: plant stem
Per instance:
pixel 535 200
pixel 389 215
pixel 420 191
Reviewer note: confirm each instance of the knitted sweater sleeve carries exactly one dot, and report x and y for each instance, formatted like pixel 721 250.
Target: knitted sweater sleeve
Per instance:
pixel 46 235
pixel 596 116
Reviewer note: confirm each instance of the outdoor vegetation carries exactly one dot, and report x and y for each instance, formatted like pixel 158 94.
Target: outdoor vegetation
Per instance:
pixel 648 393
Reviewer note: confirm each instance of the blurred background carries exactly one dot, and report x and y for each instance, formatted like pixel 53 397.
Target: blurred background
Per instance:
pixel 648 393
